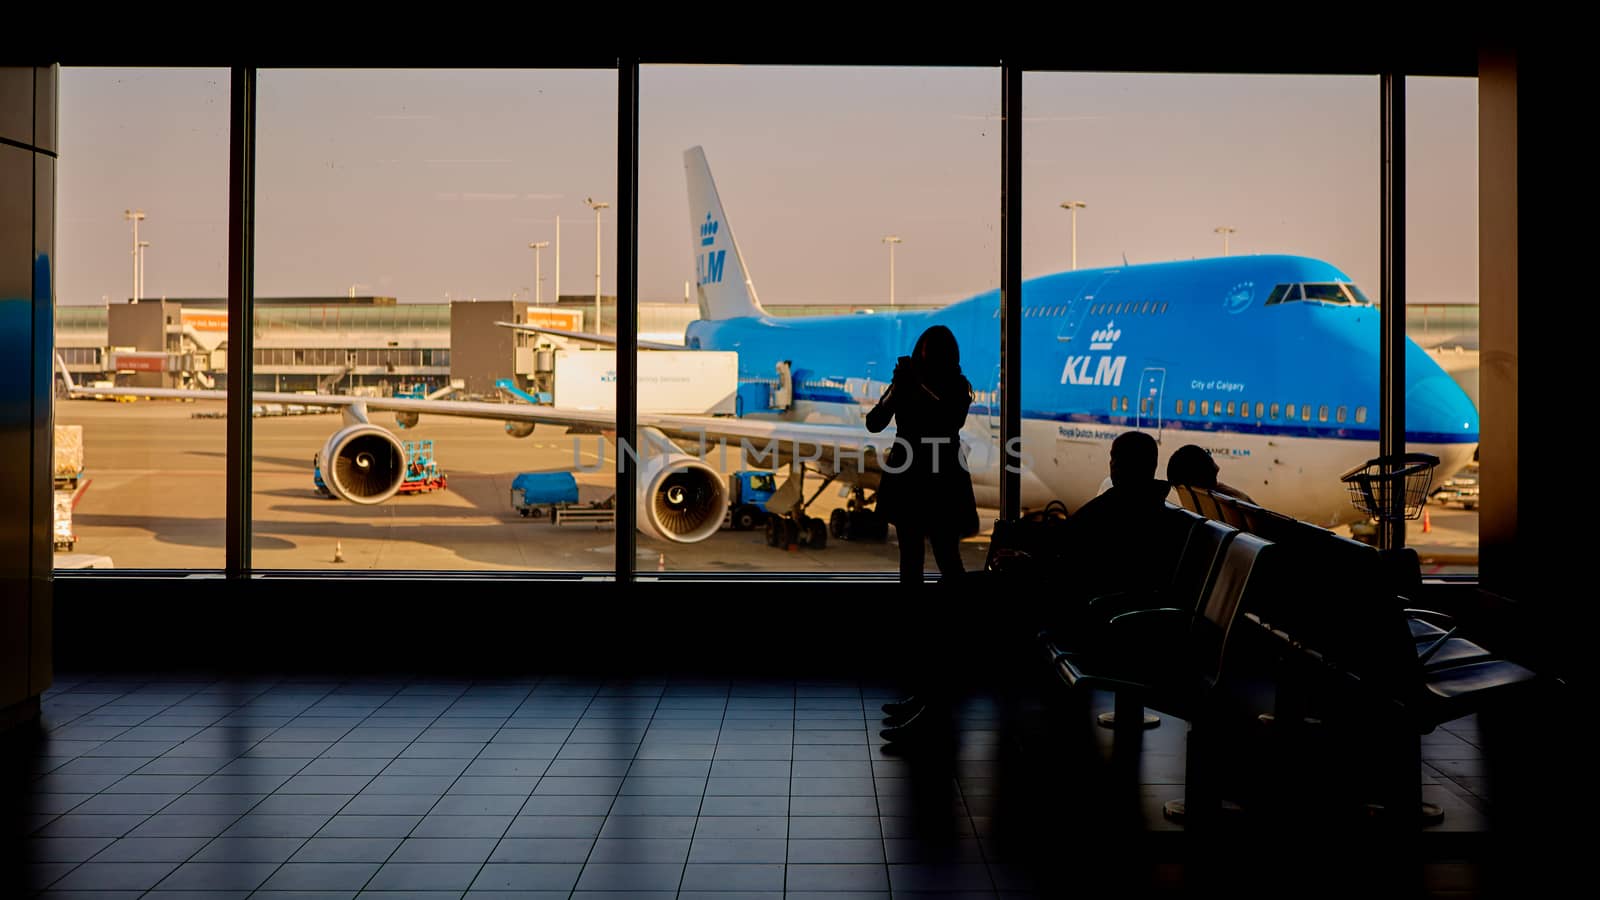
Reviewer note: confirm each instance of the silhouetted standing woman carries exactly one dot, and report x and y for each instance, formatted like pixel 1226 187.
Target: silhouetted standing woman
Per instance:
pixel 925 490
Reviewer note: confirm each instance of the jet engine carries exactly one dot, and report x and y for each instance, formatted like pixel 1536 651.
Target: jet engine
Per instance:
pixel 362 463
pixel 681 499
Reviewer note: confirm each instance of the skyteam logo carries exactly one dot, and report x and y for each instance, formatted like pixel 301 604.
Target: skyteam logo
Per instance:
pixel 1239 297
pixel 1102 370
pixel 708 266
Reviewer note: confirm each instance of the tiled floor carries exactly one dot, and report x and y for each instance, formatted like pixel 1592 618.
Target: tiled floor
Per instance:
pixel 558 787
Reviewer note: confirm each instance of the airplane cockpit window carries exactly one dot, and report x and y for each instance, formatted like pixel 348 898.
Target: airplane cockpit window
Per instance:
pixel 1327 293
pixel 1360 297
pixel 1277 295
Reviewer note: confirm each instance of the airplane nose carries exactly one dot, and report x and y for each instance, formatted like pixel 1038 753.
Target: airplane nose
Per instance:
pixel 1437 409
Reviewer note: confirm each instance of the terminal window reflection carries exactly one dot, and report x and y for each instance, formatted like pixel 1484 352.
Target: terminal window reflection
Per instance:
pixel 410 225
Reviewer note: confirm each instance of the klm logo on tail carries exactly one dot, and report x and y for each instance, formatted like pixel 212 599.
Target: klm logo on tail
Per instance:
pixel 708 266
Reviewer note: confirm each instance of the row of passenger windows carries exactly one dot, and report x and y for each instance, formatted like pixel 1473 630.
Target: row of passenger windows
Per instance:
pixel 1241 409
pixel 1131 308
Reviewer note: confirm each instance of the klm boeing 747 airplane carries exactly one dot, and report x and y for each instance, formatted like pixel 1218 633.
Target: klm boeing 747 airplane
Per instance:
pixel 1269 362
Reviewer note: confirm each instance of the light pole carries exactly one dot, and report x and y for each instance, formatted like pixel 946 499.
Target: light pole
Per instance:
pixel 1073 206
pixel 142 245
pixel 558 261
pixel 536 246
pixel 891 240
pixel 135 216
pixel 596 205
pixel 1224 230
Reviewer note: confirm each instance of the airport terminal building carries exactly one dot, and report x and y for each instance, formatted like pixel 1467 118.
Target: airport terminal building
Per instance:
pixel 341 345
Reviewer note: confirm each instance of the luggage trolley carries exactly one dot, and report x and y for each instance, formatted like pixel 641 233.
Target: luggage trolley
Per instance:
pixel 1375 486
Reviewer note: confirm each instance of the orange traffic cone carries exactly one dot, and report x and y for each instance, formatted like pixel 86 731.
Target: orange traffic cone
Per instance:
pixel 338 551
pixel 1427 526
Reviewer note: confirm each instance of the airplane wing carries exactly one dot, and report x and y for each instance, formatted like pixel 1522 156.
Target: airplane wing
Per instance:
pixel 506 412
pixel 602 339
pixel 812 440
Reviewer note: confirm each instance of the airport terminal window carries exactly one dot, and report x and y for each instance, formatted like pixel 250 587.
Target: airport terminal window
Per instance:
pixel 364 358
pixel 1079 125
pixel 919 149
pixel 142 480
pixel 420 191
pixel 1442 295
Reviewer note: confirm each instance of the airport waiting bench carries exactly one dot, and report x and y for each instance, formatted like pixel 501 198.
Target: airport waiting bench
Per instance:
pixel 1324 613
pixel 1437 635
pixel 1181 657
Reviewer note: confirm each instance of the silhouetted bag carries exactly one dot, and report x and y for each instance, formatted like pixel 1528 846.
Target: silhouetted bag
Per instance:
pixel 1032 543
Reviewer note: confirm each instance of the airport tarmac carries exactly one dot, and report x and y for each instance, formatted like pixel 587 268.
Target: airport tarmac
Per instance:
pixel 156 501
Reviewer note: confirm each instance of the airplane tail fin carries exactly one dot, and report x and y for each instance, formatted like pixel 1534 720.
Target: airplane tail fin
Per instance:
pixel 722 283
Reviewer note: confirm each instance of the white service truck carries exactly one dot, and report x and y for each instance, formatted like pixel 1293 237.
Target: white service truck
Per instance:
pixel 702 382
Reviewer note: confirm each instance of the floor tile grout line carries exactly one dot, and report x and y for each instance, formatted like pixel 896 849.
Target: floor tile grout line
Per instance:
pixel 872 773
pixel 514 816
pixel 252 806
pixel 614 797
pixel 158 812
pixel 442 794
pixel 704 788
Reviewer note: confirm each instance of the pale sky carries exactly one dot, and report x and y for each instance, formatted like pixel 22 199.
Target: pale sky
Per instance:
pixel 422 184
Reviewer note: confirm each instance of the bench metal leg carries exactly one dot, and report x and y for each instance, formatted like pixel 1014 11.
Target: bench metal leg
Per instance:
pixel 1128 709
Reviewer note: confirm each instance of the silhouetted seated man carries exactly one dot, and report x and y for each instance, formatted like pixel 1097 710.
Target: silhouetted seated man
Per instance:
pixel 1191 465
pixel 1111 534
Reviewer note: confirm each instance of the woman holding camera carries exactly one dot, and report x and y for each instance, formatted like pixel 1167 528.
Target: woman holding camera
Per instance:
pixel 925 490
